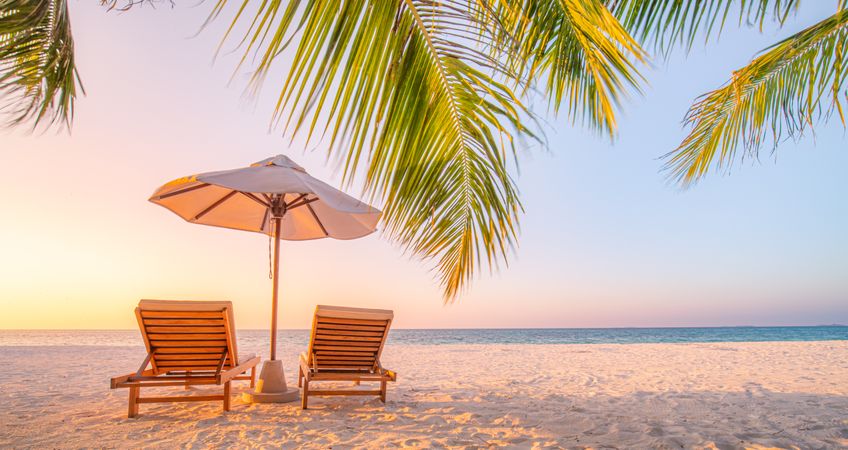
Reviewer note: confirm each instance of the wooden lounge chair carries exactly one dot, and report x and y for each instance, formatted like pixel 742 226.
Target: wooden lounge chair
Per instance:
pixel 189 343
pixel 345 345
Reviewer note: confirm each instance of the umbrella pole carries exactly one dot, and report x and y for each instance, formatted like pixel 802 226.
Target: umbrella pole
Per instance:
pixel 271 386
pixel 275 288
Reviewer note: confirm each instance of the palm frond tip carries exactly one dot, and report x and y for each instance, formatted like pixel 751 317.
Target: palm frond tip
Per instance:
pixel 38 79
pixel 782 92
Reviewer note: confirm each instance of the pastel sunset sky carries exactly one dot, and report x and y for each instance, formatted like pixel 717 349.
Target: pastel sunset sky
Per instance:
pixel 605 241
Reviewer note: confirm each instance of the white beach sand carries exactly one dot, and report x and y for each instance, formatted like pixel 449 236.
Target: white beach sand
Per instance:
pixel 733 395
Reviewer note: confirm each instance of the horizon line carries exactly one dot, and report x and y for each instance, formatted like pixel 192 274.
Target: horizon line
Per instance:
pixel 477 328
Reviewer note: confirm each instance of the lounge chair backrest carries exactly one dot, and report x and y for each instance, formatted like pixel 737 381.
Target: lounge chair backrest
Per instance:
pixel 188 335
pixel 346 338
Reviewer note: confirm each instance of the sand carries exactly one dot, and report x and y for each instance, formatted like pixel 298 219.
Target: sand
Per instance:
pixel 727 395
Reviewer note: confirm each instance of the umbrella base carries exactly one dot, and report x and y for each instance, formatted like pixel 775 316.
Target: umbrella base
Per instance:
pixel 271 386
pixel 290 395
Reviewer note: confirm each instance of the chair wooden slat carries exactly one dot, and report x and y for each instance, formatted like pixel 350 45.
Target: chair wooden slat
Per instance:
pixel 328 320
pixel 185 322
pixel 349 343
pixel 190 344
pixel 194 363
pixel 180 314
pixel 186 336
pixel 164 350
pixel 339 326
pixel 332 362
pixel 334 337
pixel 323 356
pixel 346 369
pixel 329 331
pixel 341 348
pixel 186 356
pixel 186 329
pixel 185 367
pixel 321 359
pixel 344 353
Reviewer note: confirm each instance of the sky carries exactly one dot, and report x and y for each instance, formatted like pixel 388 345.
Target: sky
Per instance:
pixel 605 241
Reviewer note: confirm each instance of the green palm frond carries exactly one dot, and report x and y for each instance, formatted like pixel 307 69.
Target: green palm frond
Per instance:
pixel 38 79
pixel 581 51
pixel 786 89
pixel 666 23
pixel 405 91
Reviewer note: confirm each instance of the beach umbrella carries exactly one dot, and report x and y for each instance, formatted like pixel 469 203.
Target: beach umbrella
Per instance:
pixel 278 198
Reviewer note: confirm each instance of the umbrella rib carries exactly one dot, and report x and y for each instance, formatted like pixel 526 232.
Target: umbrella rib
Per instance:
pixel 255 198
pixel 183 191
pixel 264 219
pixel 215 205
pixel 305 202
pixel 316 218
pixel 289 204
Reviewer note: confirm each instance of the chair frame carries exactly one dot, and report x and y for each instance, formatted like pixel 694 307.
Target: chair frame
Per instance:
pixel 146 377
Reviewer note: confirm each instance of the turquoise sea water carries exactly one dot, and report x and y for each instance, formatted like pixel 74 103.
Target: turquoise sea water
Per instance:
pixel 468 336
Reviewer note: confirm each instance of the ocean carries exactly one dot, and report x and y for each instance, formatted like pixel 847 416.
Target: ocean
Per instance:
pixel 465 336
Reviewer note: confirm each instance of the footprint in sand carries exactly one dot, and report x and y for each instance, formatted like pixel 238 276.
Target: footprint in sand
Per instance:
pixel 656 432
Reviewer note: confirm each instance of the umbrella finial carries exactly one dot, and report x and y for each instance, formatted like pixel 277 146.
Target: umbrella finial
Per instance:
pixel 279 161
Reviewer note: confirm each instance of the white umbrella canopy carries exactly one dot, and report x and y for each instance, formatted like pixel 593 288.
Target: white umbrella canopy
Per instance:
pixel 248 198
pixel 276 197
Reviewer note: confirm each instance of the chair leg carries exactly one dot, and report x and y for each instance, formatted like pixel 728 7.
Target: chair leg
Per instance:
pixel 132 410
pixel 383 391
pixel 253 377
pixel 227 396
pixel 300 377
pixel 304 398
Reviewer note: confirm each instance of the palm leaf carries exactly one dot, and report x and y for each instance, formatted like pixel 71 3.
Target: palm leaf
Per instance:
pixel 406 95
pixel 580 50
pixel 38 79
pixel 667 23
pixel 784 90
